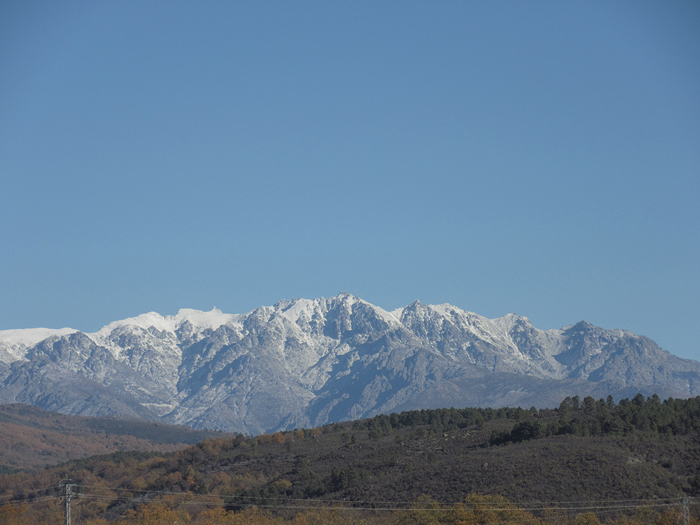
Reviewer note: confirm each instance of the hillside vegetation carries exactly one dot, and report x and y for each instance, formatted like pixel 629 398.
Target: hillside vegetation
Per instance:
pixel 32 438
pixel 585 462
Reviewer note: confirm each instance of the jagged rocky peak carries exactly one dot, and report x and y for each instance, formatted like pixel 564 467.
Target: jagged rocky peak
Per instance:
pixel 301 311
pixel 512 321
pixel 422 319
pixel 519 329
pixel 445 322
pixel 415 309
pixel 71 350
pixel 417 313
pixel 348 315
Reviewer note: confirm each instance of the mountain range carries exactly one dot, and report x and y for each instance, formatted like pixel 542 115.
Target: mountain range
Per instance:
pixel 304 363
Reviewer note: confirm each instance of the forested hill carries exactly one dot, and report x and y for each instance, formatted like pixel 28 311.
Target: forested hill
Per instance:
pixel 32 438
pixel 637 457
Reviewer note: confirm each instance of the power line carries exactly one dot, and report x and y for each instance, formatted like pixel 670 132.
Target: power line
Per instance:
pixel 536 505
pixel 599 507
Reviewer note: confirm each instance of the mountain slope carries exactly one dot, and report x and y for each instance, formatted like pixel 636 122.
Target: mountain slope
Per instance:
pixel 307 362
pixel 31 438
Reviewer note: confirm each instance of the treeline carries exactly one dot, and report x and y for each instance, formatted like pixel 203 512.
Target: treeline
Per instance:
pixel 603 418
pixel 586 417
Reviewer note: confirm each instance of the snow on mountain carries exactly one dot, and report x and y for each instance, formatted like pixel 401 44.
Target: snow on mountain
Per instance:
pixel 170 323
pixel 306 362
pixel 15 343
pixel 31 336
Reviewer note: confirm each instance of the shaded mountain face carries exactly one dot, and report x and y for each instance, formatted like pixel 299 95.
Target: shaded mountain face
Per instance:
pixel 305 363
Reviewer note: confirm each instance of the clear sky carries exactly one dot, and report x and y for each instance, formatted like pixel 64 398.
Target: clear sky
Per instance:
pixel 541 158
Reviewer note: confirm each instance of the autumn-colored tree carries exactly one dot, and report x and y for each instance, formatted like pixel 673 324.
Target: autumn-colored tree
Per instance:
pixel 95 521
pixel 423 511
pixel 252 516
pixel 217 516
pixel 333 516
pixel 482 509
pixel 588 518
pixel 155 514
pixel 673 517
pixel 15 515
pixel 219 482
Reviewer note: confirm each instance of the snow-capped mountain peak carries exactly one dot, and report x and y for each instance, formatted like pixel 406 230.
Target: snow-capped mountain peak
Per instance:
pixel 170 323
pixel 212 319
pixel 306 362
pixel 15 343
pixel 31 336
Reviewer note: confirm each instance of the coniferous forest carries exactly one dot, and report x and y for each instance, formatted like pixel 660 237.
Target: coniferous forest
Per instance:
pixel 586 462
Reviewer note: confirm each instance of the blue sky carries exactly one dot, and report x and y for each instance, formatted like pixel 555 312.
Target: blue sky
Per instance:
pixel 541 158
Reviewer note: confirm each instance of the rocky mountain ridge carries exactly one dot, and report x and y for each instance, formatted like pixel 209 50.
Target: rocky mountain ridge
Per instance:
pixel 304 363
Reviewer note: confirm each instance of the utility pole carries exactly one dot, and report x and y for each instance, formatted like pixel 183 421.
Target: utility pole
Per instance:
pixel 686 511
pixel 68 495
